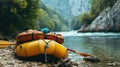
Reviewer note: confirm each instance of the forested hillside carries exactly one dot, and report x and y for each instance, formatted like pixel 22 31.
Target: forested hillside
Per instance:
pixel 69 9
pixel 20 15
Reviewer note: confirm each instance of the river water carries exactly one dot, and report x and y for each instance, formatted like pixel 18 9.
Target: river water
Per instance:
pixel 105 46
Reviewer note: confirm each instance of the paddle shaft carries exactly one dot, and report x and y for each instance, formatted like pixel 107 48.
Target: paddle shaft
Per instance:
pixel 6 43
pixel 82 54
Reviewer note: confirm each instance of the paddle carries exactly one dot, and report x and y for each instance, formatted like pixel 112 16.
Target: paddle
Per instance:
pixel 87 57
pixel 5 43
pixel 81 54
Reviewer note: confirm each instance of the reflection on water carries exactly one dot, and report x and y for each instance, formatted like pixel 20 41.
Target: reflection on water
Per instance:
pixel 106 46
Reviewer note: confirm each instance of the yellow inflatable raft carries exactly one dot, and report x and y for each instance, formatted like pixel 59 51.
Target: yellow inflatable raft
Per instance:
pixel 41 47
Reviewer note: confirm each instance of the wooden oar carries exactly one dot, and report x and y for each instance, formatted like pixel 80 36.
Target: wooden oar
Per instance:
pixel 81 54
pixel 5 43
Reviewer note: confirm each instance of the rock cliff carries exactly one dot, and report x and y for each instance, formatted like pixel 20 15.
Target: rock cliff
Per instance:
pixel 107 21
pixel 68 8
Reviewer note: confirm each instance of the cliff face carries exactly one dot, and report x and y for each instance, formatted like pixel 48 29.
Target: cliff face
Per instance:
pixel 68 8
pixel 107 21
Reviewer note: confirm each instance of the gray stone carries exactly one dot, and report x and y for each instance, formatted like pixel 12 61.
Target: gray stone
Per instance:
pixel 107 21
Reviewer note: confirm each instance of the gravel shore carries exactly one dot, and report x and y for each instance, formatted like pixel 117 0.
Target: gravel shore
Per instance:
pixel 8 59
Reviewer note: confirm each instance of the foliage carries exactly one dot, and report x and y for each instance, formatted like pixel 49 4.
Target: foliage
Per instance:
pixel 97 6
pixel 76 23
pixel 87 18
pixel 17 15
pixel 45 20
pixel 57 21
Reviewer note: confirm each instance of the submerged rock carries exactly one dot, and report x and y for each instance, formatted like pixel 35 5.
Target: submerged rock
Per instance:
pixel 91 59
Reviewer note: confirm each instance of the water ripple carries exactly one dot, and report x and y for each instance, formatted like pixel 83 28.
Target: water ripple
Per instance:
pixel 74 33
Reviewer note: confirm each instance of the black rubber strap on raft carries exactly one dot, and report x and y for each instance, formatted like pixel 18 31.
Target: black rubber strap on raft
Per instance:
pixel 46 46
pixel 57 38
pixel 32 35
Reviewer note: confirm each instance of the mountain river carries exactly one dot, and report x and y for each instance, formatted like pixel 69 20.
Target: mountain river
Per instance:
pixel 105 46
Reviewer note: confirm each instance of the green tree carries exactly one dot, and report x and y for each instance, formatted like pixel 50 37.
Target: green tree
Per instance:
pixel 57 20
pixel 17 15
pixel 45 20
pixel 87 18
pixel 76 23
pixel 97 6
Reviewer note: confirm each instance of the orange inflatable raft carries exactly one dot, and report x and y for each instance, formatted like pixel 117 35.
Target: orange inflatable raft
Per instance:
pixel 29 35
pixel 56 37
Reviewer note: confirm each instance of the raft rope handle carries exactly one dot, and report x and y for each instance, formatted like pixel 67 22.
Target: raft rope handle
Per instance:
pixel 46 46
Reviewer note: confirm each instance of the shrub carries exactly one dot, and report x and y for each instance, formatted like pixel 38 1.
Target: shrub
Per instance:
pixel 87 18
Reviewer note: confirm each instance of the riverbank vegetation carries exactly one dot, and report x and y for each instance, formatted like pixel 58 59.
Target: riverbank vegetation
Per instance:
pixel 76 23
pixel 20 15
pixel 97 6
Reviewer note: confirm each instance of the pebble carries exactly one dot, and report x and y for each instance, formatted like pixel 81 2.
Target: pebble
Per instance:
pixel 7 59
pixel 113 64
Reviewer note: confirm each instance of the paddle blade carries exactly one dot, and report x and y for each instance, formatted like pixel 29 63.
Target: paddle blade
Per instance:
pixel 84 54
pixel 81 54
pixel 5 43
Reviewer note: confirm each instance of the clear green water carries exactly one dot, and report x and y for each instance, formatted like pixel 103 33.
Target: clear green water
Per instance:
pixel 105 46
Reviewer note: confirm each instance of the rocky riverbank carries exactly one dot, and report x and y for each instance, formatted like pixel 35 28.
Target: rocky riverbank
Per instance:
pixel 8 59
